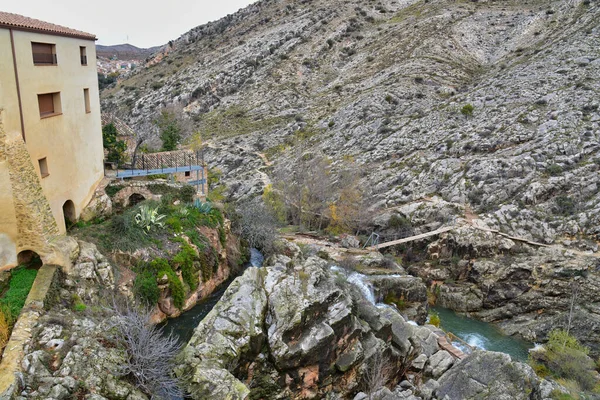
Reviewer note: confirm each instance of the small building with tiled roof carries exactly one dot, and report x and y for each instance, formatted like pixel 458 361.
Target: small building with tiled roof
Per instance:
pixel 51 153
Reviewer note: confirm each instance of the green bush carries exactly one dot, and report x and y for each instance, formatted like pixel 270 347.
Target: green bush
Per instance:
pixel 222 237
pixel 467 110
pixel 565 205
pixel 21 281
pixel 146 288
pixel 434 319
pixel 78 304
pixel 554 169
pixel 564 357
pixel 399 222
pixel 162 268
pixel 185 259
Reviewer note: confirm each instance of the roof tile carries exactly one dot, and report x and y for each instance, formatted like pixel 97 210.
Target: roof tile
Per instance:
pixel 17 21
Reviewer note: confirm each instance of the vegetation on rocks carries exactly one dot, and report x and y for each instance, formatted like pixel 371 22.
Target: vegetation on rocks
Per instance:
pixel 563 357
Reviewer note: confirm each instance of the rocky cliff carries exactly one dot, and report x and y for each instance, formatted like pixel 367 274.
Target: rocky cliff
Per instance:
pixel 483 103
pixel 295 330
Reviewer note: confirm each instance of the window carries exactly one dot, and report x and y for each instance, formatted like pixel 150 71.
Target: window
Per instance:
pixel 188 173
pixel 49 104
pixel 43 167
pixel 83 55
pixel 44 53
pixel 86 98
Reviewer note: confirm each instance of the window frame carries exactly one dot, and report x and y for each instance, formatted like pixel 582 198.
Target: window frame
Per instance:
pixel 83 56
pixel 43 165
pixel 86 100
pixel 52 53
pixel 56 105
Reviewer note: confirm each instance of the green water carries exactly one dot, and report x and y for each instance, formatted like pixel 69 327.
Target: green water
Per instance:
pixel 482 334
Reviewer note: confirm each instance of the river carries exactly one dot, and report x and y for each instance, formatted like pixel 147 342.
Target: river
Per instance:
pixel 183 326
pixel 482 335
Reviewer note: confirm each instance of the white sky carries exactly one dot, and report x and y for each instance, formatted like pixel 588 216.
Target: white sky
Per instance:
pixel 141 23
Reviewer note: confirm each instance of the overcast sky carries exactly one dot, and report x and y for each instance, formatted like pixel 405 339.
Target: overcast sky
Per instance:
pixel 141 23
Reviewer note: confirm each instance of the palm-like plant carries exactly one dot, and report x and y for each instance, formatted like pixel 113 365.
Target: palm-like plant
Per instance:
pixel 148 218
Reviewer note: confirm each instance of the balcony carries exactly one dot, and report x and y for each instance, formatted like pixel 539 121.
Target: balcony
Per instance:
pixel 83 60
pixel 44 59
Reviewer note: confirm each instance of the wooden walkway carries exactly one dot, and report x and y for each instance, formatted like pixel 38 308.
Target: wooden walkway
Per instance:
pixel 413 238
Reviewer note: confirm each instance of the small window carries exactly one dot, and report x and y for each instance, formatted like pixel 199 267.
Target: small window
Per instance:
pixel 188 173
pixel 86 97
pixel 49 104
pixel 83 55
pixel 44 53
pixel 43 167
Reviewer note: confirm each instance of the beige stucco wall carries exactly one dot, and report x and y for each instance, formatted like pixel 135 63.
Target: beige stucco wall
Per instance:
pixel 71 142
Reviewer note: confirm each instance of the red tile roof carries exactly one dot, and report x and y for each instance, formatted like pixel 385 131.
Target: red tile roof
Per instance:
pixel 16 21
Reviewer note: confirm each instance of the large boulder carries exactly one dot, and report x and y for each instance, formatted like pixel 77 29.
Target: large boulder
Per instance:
pixel 490 375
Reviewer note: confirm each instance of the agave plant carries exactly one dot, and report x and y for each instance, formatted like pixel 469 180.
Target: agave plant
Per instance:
pixel 149 217
pixel 204 208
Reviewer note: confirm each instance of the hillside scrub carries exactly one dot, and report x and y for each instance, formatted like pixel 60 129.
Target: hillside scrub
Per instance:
pixel 563 357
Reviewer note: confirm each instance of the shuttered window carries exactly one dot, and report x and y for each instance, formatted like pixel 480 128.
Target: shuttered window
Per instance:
pixel 46 102
pixel 49 104
pixel 43 53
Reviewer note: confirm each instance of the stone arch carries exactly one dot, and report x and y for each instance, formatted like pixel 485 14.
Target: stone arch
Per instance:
pixel 69 213
pixel 123 197
pixel 135 198
pixel 29 257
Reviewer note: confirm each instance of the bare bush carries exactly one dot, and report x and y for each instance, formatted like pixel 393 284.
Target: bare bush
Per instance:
pixel 258 226
pixel 376 373
pixel 149 353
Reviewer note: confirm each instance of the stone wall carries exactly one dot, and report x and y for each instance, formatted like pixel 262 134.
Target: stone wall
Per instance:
pixel 29 208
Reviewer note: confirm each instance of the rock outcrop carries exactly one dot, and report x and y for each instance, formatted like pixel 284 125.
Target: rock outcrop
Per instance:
pixel 526 290
pixel 293 329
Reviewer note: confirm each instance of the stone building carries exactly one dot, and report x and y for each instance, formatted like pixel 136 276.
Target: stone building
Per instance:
pixel 51 154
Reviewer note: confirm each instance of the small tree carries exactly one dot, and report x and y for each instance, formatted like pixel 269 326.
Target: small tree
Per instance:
pixel 258 226
pixel 116 148
pixel 173 127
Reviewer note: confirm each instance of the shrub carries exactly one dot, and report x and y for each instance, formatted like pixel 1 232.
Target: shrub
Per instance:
pixel 78 304
pixel 185 259
pixel 126 235
pixel 149 353
pixel 399 222
pixel 467 110
pixel 565 205
pixel 564 357
pixel 399 302
pixel 554 169
pixel 162 268
pixel 146 288
pixel 187 193
pixel 20 284
pixel 434 319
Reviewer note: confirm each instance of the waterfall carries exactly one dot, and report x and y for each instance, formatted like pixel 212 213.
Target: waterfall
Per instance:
pixel 256 258
pixel 359 280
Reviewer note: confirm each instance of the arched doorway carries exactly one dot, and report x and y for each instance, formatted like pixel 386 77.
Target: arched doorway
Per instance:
pixel 29 258
pixel 135 198
pixel 69 213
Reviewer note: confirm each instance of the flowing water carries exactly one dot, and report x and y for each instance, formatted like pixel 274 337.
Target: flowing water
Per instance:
pixel 476 333
pixel 183 326
pixel 482 335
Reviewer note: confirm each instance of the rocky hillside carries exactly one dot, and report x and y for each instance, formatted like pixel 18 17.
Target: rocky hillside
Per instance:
pixel 488 104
